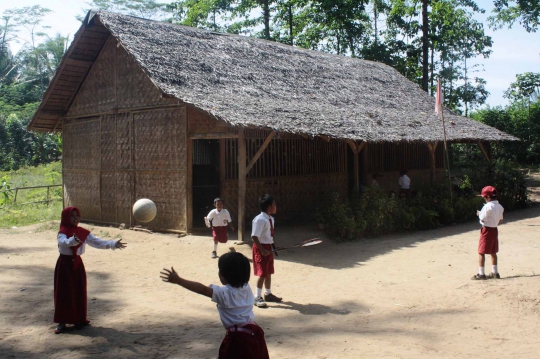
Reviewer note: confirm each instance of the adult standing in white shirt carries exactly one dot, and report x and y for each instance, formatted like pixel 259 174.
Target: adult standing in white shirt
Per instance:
pixel 404 184
pixel 262 234
pixel 70 297
pixel 490 216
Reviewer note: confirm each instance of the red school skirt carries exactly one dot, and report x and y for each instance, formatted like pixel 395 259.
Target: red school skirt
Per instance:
pixel 220 234
pixel 70 303
pixel 262 266
pixel 489 240
pixel 248 343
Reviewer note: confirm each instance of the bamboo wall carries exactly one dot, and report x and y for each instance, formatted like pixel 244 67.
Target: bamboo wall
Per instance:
pixel 117 157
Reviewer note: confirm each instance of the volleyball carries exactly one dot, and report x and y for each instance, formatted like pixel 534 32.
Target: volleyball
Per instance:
pixel 144 210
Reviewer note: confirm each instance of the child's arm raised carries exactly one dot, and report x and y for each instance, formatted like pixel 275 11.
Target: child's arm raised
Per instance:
pixel 171 276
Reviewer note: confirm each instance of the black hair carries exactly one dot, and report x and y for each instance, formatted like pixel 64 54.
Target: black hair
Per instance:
pixel 217 199
pixel 266 201
pixel 235 268
pixel 403 172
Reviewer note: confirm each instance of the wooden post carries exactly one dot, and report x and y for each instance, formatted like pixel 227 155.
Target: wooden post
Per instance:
pixel 15 198
pixel 356 148
pixel 484 150
pixel 189 184
pixel 48 188
pixel 241 183
pixel 432 164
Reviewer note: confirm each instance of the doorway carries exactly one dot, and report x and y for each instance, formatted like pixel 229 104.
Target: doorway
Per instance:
pixel 206 183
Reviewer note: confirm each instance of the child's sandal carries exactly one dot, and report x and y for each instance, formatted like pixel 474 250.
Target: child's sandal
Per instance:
pixel 479 277
pixel 60 328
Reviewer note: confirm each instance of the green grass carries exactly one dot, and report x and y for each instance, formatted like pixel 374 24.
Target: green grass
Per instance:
pixel 18 214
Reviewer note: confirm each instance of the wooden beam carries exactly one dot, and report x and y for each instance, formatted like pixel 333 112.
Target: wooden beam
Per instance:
pixel 260 151
pixel 326 138
pixel 215 135
pixel 241 183
pixel 485 151
pixel 365 159
pixel 353 146
pixel 189 175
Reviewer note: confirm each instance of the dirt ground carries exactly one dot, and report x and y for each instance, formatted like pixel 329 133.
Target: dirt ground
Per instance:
pixel 402 296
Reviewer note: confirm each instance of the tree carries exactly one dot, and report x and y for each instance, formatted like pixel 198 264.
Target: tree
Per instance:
pixel 526 86
pixel 147 9
pixel 507 12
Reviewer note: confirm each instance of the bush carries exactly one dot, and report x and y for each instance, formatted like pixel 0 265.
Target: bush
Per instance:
pixel 375 212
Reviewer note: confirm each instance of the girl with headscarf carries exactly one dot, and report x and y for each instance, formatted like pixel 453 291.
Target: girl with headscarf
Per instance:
pixel 70 302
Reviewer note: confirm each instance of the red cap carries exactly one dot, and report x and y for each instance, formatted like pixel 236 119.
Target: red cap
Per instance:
pixel 488 191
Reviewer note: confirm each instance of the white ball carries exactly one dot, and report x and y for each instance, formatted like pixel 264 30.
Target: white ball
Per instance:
pixel 144 210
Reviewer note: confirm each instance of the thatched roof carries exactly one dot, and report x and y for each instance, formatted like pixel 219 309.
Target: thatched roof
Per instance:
pixel 252 82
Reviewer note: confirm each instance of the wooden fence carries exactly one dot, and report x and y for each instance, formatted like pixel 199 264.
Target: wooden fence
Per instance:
pixel 47 200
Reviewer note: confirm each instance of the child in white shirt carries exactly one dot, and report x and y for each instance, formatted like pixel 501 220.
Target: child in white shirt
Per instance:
pixel 490 216
pixel 244 338
pixel 219 218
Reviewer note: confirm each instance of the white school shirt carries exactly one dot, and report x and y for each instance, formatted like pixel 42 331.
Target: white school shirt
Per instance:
pixel 404 182
pixel 261 228
pixel 219 218
pixel 491 214
pixel 65 244
pixel 235 305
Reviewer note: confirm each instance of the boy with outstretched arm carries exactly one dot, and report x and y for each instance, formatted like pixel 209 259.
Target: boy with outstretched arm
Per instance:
pixel 490 217
pixel 219 218
pixel 262 234
pixel 243 338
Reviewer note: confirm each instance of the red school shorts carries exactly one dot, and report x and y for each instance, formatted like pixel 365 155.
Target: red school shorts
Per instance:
pixel 489 240
pixel 220 234
pixel 262 266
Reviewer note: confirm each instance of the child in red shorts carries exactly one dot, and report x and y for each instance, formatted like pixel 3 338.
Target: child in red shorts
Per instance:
pixel 490 216
pixel 243 338
pixel 262 234
pixel 219 218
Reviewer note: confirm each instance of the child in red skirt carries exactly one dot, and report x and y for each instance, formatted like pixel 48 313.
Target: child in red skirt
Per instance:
pixel 262 234
pixel 70 302
pixel 219 218
pixel 243 338
pixel 490 216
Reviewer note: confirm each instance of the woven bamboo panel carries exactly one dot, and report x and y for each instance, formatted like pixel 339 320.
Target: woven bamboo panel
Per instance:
pixel 125 186
pixel 135 89
pixel 108 196
pixel 98 93
pixel 81 189
pixel 301 195
pixel 81 144
pixel 160 140
pixel 296 197
pixel 288 157
pixel 108 142
pixel 168 191
pixel 229 192
pixel 201 122
pixel 123 153
pixel 384 157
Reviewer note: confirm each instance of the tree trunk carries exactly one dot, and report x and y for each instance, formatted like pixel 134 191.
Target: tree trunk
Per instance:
pixel 425 45
pixel 432 68
pixel 266 14
pixel 375 16
pixel 290 24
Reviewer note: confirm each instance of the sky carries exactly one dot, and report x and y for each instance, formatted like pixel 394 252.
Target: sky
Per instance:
pixel 514 50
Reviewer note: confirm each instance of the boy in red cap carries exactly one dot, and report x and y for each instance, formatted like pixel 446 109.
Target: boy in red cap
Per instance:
pixel 490 216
